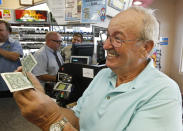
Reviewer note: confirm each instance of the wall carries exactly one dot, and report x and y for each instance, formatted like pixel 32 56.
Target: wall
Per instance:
pixel 169 13
pixel 165 12
pixel 13 4
pixel 178 44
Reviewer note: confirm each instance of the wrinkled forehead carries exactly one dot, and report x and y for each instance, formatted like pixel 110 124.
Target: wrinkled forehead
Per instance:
pixel 55 36
pixel 127 22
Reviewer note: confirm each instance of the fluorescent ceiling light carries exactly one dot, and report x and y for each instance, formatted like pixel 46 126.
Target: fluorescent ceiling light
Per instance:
pixel 42 6
pixel 138 3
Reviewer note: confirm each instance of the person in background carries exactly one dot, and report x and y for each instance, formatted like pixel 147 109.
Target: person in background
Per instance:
pixel 49 60
pixel 66 51
pixel 10 52
pixel 129 95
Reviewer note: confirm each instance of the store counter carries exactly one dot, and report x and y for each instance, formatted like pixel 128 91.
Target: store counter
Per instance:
pixel 81 76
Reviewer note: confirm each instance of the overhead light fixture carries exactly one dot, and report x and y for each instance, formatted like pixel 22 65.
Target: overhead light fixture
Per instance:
pixel 138 3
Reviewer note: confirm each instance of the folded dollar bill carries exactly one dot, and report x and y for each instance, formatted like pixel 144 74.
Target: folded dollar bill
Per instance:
pixel 28 63
pixel 16 81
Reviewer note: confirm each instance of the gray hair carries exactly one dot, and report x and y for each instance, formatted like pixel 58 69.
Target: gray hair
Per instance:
pixel 151 24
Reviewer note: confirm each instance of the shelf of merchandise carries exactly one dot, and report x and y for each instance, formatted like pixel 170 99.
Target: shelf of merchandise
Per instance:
pixel 30 36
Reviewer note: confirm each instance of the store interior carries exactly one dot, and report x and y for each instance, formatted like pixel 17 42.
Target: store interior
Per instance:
pixel 168 12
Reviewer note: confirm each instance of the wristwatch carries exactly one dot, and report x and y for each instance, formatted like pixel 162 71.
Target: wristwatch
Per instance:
pixel 58 126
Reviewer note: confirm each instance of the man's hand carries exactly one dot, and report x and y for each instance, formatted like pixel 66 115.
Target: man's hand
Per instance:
pixel 40 109
pixel 14 56
pixel 32 78
pixel 37 107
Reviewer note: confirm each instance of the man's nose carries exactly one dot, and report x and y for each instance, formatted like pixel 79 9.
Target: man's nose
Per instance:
pixel 107 44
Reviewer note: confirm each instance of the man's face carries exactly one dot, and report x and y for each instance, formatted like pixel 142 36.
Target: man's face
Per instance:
pixel 4 33
pixel 76 39
pixel 54 42
pixel 127 54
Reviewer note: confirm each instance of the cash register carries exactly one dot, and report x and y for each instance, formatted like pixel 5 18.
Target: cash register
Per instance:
pixel 73 79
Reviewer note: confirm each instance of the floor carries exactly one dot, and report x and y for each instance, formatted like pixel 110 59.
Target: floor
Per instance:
pixel 11 119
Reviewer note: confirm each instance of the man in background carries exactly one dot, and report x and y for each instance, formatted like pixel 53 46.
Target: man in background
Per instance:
pixel 49 60
pixel 10 52
pixel 66 51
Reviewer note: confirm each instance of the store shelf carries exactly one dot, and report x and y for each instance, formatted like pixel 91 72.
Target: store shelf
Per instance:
pixel 30 37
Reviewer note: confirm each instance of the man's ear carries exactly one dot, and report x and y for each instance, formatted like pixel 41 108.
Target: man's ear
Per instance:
pixel 149 46
pixel 146 48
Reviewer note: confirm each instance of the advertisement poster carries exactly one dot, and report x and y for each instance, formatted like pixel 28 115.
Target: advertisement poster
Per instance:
pixel 73 10
pixel 156 56
pixel 31 16
pixel 119 4
pixel 181 62
pixel 57 8
pixel 6 15
pixel 163 40
pixel 93 11
pixel 1 14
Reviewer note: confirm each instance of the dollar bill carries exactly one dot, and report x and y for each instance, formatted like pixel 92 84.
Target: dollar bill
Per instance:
pixel 28 63
pixel 16 81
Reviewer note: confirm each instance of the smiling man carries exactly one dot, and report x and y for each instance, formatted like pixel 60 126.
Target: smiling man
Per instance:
pixel 48 58
pixel 130 95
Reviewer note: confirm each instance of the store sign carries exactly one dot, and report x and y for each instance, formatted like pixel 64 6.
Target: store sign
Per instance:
pixel 181 62
pixel 88 73
pixel 57 8
pixel 31 16
pixel 119 4
pixel 5 14
pixel 93 11
pixel 163 41
pixel 73 10
pixel 0 2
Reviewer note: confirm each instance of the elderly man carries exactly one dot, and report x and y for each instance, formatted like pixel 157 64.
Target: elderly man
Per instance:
pixel 48 58
pixel 130 95
pixel 10 52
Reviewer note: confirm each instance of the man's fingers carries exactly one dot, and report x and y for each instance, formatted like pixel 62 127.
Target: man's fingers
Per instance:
pixel 35 82
pixel 19 69
pixel 32 78
pixel 21 98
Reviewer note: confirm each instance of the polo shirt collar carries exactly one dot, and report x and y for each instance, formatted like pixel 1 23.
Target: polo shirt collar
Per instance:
pixel 7 43
pixel 131 84
pixel 10 40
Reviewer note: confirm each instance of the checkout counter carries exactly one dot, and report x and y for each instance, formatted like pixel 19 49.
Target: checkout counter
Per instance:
pixel 74 77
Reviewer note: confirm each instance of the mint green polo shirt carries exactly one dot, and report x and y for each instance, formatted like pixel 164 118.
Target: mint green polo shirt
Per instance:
pixel 151 102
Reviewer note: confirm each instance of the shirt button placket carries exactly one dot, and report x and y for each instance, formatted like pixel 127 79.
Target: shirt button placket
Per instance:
pixel 108 97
